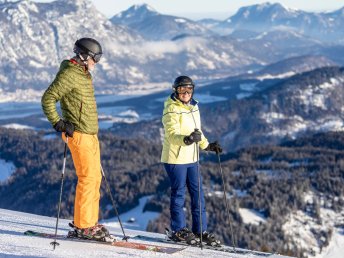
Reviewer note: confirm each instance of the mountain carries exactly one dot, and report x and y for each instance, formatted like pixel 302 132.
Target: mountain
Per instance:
pixel 209 23
pixel 134 14
pixel 155 26
pixel 234 89
pixel 264 17
pixel 291 66
pixel 291 193
pixel 42 34
pixel 285 189
pixel 46 33
pixel 289 108
pixel 278 44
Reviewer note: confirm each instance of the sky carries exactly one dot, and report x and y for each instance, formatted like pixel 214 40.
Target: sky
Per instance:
pixel 198 9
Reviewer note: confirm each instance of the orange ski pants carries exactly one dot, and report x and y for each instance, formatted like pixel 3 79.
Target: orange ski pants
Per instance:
pixel 86 158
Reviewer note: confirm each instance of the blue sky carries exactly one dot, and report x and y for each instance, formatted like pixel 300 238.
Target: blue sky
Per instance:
pixel 197 9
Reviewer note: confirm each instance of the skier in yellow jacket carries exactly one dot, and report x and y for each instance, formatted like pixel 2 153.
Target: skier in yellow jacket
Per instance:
pixel 183 134
pixel 73 88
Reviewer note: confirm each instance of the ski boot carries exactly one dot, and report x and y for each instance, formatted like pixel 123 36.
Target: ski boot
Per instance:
pixel 97 232
pixel 184 235
pixel 209 239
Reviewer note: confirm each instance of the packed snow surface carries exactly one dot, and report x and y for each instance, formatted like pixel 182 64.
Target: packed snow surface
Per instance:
pixel 14 243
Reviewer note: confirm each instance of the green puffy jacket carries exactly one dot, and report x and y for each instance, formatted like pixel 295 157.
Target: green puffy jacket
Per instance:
pixel 73 87
pixel 180 120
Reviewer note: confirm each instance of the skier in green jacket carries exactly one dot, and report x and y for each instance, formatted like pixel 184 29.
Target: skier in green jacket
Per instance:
pixel 73 88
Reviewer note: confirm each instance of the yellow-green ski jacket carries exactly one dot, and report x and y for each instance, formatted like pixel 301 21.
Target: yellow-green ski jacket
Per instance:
pixel 73 88
pixel 180 120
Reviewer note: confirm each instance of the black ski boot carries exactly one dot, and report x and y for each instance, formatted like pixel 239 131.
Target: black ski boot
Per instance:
pixel 209 239
pixel 184 235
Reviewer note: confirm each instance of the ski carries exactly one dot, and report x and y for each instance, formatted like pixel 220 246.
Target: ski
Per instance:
pixel 222 248
pixel 132 245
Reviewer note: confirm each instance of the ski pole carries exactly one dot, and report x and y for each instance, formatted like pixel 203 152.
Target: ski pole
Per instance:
pixel 199 196
pixel 225 199
pixel 55 243
pixel 113 204
pixel 199 185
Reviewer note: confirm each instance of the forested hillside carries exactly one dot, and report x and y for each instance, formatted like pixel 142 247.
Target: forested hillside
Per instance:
pixel 272 180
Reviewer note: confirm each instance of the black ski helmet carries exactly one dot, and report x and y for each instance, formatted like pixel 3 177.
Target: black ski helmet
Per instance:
pixel 88 47
pixel 182 81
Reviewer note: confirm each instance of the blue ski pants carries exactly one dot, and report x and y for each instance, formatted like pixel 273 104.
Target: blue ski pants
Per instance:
pixel 182 176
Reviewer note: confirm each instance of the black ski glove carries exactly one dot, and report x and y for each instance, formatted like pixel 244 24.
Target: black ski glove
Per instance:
pixel 214 146
pixel 64 126
pixel 195 136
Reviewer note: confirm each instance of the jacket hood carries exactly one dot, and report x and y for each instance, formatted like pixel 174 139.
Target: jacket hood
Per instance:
pixel 68 64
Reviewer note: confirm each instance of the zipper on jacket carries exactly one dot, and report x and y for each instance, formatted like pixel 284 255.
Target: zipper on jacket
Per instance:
pixel 80 113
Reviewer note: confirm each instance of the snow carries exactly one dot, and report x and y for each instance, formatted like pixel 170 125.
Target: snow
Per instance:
pixel 141 218
pixel 202 98
pixel 50 136
pixel 18 126
pixel 6 170
pixel 21 95
pixel 336 247
pixel 294 125
pixel 301 227
pixel 316 95
pixel 275 76
pixel 248 86
pixel 243 95
pixel 116 114
pixel 180 20
pixel 14 243
pixel 272 117
pixel 251 216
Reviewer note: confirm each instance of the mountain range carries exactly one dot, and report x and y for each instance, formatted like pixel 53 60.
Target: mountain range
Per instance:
pixel 143 46
pixel 281 109
pixel 268 16
pixel 285 100
pixel 155 26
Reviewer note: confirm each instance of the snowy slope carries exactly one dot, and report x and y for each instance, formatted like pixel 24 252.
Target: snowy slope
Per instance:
pixel 14 243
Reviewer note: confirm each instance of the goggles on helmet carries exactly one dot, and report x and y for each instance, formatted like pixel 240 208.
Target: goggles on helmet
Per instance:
pixel 96 57
pixel 185 89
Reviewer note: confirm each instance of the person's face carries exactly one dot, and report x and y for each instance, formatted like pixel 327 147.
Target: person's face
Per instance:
pixel 90 64
pixel 185 93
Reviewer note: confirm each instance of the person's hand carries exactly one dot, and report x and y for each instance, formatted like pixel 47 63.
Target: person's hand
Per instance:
pixel 214 146
pixel 64 126
pixel 195 136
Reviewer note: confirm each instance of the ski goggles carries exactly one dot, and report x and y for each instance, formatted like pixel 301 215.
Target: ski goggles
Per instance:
pixel 96 57
pixel 185 89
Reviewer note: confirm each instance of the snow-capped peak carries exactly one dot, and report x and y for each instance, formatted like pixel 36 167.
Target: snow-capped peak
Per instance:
pixel 143 7
pixel 135 13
